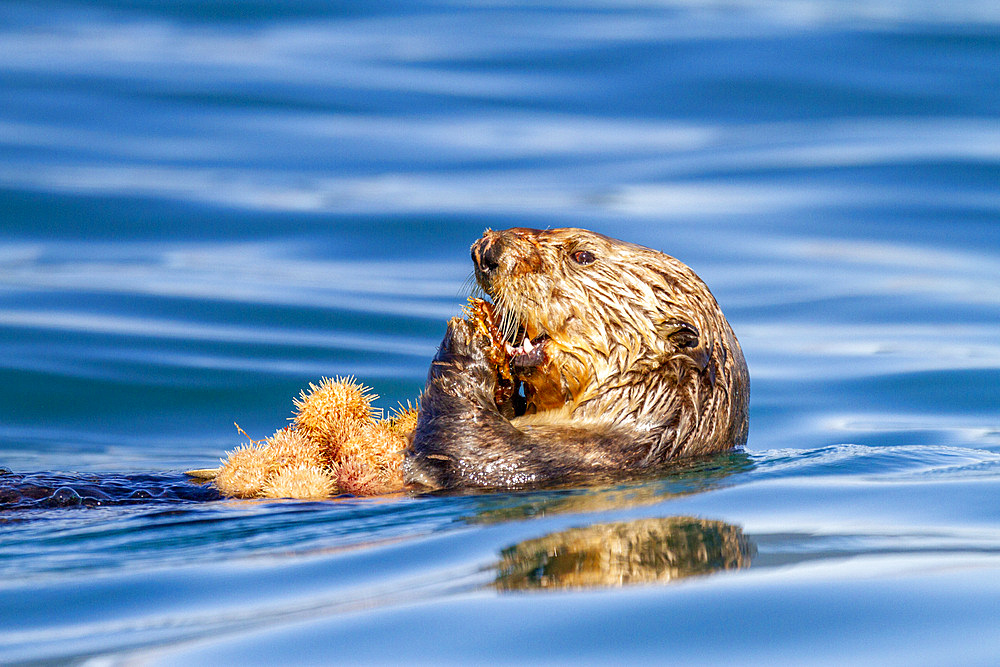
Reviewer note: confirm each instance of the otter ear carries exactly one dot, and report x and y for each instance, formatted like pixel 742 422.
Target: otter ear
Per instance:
pixel 685 337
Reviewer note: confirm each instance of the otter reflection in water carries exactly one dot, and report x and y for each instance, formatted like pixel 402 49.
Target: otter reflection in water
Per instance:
pixel 616 554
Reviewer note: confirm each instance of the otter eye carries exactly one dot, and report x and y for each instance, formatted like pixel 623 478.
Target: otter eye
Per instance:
pixel 583 257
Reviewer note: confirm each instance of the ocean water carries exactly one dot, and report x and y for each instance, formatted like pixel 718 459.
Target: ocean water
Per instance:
pixel 204 206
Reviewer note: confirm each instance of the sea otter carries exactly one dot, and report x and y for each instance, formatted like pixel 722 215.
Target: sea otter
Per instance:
pixel 605 358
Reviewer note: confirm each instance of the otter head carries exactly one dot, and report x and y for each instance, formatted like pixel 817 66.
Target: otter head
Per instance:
pixel 604 330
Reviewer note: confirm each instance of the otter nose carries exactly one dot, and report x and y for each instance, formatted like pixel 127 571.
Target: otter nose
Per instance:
pixel 486 255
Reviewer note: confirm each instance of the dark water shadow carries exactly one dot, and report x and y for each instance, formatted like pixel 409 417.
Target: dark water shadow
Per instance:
pixel 51 490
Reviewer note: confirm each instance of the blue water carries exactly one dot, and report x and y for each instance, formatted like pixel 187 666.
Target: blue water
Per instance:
pixel 204 206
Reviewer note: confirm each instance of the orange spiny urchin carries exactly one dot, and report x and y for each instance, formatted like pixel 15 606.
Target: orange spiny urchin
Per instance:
pixel 376 451
pixel 377 445
pixel 333 411
pixel 356 478
pixel 404 420
pixel 335 445
pixel 290 448
pixel 245 471
pixel 303 482
pixel 392 475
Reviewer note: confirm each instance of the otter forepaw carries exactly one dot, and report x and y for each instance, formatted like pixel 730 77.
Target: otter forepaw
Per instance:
pixel 462 340
pixel 461 366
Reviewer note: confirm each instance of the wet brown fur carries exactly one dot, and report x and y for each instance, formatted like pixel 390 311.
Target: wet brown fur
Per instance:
pixel 640 367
